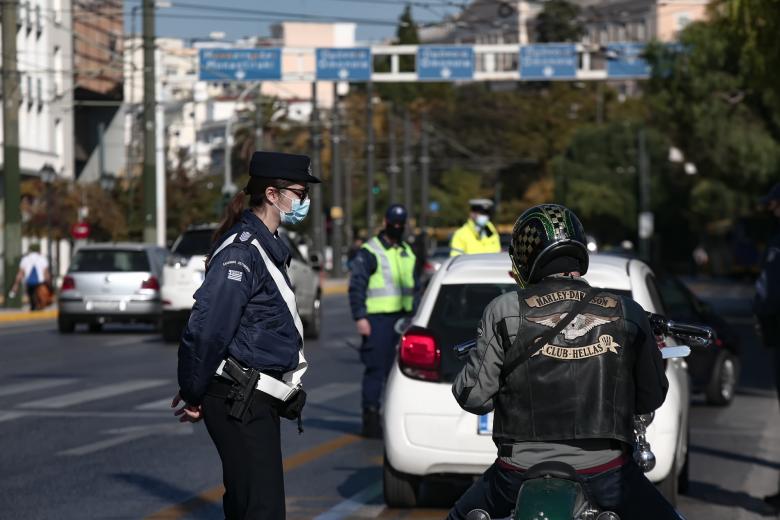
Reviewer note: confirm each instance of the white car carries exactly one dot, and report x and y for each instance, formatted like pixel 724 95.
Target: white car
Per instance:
pixel 185 269
pixel 426 433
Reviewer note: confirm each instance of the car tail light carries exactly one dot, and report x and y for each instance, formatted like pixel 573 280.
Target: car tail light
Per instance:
pixel 151 283
pixel 419 356
pixel 68 284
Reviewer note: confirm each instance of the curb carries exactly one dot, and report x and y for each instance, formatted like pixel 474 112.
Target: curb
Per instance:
pixel 9 317
pixel 341 288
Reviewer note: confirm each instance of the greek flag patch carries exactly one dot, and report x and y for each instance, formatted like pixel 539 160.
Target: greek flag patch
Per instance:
pixel 245 236
pixel 236 276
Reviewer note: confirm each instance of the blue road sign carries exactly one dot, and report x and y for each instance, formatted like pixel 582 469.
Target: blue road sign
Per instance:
pixel 545 61
pixel 344 64
pixel 450 63
pixel 434 206
pixel 624 60
pixel 240 64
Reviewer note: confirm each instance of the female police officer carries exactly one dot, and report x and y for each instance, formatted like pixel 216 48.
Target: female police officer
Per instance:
pixel 241 354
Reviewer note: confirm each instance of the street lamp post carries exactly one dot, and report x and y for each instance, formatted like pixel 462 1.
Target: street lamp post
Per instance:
pixel 48 175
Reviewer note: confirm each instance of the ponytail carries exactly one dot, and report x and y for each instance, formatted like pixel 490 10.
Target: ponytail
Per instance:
pixel 232 215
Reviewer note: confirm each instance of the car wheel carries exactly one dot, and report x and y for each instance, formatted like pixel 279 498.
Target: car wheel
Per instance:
pixel 311 329
pixel 65 325
pixel 171 330
pixel 669 486
pixel 723 382
pixel 95 327
pixel 400 489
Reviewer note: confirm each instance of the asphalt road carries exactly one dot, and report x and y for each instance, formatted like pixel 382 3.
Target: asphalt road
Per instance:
pixel 86 432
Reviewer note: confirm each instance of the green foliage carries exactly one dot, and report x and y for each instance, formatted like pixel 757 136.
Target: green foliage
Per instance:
pixel 559 21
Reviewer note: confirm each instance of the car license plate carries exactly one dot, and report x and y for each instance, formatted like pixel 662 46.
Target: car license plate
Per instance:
pixel 485 424
pixel 104 305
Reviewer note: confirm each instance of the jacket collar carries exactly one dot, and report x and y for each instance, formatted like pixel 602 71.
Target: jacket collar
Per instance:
pixel 386 243
pixel 274 246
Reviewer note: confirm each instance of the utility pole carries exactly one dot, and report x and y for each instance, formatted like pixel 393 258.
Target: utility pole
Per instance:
pixel 407 164
pixel 12 232
pixel 369 158
pixel 645 224
pixel 259 119
pixel 425 161
pixel 393 169
pixel 316 168
pixel 347 169
pixel 150 203
pixel 336 210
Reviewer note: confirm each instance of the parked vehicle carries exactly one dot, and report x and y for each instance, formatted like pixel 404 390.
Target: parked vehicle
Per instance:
pixel 185 269
pixel 714 371
pixel 427 434
pixel 111 283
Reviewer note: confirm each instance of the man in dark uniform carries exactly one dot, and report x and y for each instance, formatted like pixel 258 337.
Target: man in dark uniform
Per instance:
pixel 767 300
pixel 382 289
pixel 245 316
pixel 573 398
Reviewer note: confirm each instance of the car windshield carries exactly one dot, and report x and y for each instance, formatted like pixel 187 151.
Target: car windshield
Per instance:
pixel 109 261
pixel 456 316
pixel 193 243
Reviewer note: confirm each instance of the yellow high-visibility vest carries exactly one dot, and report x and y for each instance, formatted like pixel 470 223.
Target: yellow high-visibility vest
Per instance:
pixel 469 241
pixel 391 286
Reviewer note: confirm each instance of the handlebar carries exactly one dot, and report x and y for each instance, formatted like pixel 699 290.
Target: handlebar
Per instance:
pixel 692 335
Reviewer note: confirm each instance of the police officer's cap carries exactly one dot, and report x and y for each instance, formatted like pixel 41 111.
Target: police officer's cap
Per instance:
pixel 482 205
pixel 396 214
pixel 277 165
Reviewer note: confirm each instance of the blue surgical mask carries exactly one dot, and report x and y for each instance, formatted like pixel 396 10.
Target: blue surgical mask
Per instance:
pixel 482 220
pixel 297 213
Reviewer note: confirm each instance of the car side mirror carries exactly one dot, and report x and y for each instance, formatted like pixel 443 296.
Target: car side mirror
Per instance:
pixel 315 260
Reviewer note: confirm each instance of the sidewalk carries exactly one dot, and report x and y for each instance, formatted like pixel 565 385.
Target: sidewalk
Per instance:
pixel 20 315
pixel 335 286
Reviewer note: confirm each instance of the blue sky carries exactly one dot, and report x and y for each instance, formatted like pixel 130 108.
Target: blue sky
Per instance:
pixel 184 21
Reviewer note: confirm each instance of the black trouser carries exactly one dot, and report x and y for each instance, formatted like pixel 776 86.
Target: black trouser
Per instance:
pixel 33 296
pixel 251 454
pixel 624 490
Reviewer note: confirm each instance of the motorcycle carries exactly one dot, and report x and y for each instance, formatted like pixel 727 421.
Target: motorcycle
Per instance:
pixel 553 486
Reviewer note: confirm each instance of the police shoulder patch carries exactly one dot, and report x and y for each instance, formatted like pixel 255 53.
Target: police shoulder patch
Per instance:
pixel 244 236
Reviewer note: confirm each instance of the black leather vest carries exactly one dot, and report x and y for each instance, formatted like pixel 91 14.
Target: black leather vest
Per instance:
pixel 581 384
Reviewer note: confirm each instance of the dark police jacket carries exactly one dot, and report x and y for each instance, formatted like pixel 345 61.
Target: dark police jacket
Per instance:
pixel 239 311
pixel 586 383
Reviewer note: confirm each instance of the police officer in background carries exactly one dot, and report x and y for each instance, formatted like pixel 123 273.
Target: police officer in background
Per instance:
pixel 382 289
pixel 241 353
pixel 478 234
pixel 565 367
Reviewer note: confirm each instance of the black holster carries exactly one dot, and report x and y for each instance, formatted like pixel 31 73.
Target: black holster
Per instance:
pixel 243 389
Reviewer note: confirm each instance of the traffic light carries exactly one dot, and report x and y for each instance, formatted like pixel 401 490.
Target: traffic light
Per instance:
pixel 376 189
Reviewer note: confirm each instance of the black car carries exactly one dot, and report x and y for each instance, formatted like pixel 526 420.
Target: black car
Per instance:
pixel 714 370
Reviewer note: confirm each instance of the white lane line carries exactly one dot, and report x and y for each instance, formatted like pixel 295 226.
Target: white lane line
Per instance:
pixel 34 384
pixel 357 502
pixel 94 394
pixel 9 416
pixel 129 434
pixel 159 405
pixel 330 391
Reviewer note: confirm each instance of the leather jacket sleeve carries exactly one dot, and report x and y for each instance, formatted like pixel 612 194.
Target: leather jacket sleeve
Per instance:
pixel 478 381
pixel 649 373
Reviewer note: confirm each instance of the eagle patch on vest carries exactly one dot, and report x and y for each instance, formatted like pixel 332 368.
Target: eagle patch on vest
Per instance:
pixel 578 327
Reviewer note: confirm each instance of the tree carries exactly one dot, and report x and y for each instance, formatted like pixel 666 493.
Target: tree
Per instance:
pixel 559 21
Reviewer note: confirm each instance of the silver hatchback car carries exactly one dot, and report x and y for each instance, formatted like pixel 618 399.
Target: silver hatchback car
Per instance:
pixel 111 283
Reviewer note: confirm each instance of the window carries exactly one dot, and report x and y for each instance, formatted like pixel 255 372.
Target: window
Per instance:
pixel 28 16
pixel 110 260
pixel 39 92
pixel 38 20
pixel 29 89
pixel 196 242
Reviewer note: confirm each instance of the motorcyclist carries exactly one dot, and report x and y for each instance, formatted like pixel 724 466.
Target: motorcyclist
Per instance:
pixel 574 400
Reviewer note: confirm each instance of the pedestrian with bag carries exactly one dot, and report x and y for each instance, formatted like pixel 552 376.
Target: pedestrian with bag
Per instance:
pixel 241 354
pixel 34 272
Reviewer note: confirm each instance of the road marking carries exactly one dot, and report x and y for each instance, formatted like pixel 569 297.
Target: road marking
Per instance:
pixel 159 405
pixel 94 394
pixel 214 495
pixel 331 391
pixel 84 414
pixel 359 501
pixel 34 384
pixel 9 416
pixel 129 434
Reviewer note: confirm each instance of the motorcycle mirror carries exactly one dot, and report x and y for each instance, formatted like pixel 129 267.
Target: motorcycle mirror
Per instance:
pixel 675 352
pixel 479 514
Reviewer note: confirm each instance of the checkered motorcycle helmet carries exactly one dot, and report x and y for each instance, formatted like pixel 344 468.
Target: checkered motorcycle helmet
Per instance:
pixel 542 233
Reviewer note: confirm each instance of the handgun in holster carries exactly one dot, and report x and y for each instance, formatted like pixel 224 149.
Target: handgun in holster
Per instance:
pixel 243 391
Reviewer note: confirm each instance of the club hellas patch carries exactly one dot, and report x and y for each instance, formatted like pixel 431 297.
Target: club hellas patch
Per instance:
pixel 605 344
